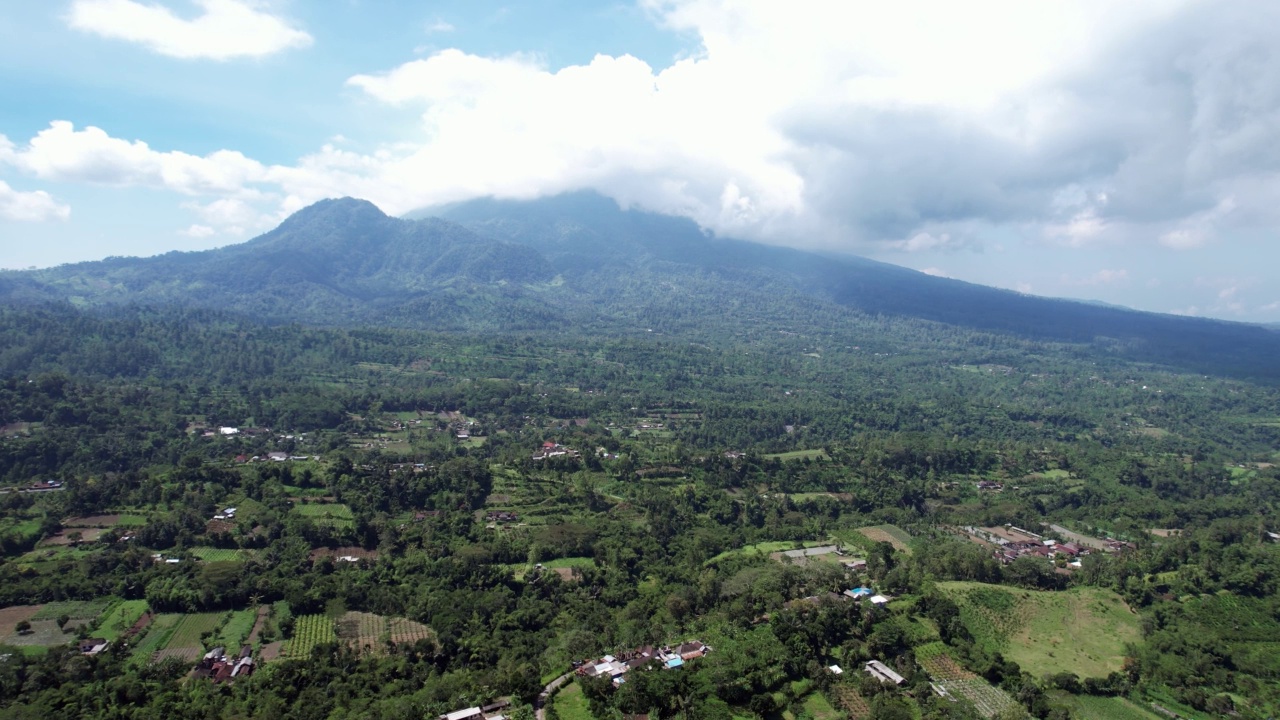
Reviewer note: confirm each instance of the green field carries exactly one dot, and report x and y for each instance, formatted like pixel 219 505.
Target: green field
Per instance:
pixel 799 455
pixel 121 617
pixel 236 629
pixel 157 636
pixel 1088 707
pixel 820 708
pixel 571 704
pixel 1081 631
pixel 188 631
pixel 334 514
pixel 209 554
pixel 77 610
pixel 767 547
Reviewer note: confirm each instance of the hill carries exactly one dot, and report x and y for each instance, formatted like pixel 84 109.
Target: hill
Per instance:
pixel 1083 630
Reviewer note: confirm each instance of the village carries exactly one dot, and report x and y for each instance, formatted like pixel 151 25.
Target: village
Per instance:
pixel 1009 542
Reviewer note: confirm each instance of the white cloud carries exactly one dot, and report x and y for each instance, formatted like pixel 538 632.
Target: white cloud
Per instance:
pixel 224 29
pixel 35 206
pixel 924 125
pixel 935 272
pixel 62 153
pixel 1102 277
pixel 199 232
pixel 438 25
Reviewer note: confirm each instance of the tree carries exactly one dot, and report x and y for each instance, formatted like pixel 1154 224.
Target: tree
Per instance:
pixel 23 627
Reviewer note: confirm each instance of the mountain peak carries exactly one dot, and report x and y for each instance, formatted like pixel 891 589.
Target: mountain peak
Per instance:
pixel 339 211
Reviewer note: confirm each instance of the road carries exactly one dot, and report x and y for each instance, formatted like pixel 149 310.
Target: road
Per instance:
pixel 540 704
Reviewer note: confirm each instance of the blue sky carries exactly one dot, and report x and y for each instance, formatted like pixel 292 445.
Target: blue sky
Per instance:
pixel 1119 152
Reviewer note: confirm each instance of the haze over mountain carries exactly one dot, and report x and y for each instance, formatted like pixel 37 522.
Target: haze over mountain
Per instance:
pixel 578 263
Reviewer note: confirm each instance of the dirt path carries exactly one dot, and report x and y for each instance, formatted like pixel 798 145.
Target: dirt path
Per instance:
pixel 258 623
pixel 540 704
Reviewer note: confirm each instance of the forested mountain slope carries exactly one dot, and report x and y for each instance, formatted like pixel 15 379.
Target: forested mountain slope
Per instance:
pixel 577 263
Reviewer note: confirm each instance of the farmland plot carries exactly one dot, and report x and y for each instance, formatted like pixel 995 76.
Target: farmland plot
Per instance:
pixel 897 537
pixel 988 699
pixel 309 631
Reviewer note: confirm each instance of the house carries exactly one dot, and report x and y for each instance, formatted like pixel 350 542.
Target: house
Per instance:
pixel 836 670
pixel 881 672
pixel 228 431
pixel 859 592
pixel 278 456
pixel 92 646
pixel 879 599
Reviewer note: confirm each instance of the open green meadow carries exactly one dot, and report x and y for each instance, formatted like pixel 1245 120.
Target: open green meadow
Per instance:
pixel 571 704
pixel 236 629
pixel 818 454
pixel 1082 630
pixel 120 618
pixel 334 514
pixel 1089 707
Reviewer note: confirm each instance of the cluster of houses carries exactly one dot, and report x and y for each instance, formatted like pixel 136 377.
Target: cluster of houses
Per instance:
pixel 551 449
pixel 616 667
pixel 226 514
pixel 501 516
pixel 220 667
pixel 1013 542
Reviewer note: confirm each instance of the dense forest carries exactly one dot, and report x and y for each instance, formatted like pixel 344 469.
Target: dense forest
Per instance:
pixel 402 524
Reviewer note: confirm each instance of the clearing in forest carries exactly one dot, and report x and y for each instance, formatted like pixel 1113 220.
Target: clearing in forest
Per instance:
pixel 1082 630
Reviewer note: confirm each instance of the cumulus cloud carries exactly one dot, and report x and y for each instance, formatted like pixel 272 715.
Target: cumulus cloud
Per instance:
pixel 36 206
pixel 62 153
pixel 912 126
pixel 918 126
pixel 223 30
pixel 199 232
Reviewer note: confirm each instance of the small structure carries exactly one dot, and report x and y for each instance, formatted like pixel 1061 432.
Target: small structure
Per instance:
pixel 93 646
pixel 879 599
pixel 836 670
pixel 859 592
pixel 883 673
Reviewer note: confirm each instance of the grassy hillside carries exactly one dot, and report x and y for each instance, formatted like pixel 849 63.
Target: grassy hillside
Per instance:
pixel 1082 630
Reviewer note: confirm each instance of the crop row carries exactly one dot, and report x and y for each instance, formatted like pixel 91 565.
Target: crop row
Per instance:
pixel 309 631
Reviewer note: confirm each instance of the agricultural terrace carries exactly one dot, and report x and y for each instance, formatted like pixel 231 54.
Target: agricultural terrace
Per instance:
pixel 1082 630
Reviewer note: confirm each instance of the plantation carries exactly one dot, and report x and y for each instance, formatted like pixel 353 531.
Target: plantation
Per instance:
pixel 309 631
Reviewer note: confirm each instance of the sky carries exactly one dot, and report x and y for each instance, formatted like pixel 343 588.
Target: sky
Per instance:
pixel 1122 152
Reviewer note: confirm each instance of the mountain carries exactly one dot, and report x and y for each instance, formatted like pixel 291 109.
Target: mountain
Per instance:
pixel 578 263
pixel 338 260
